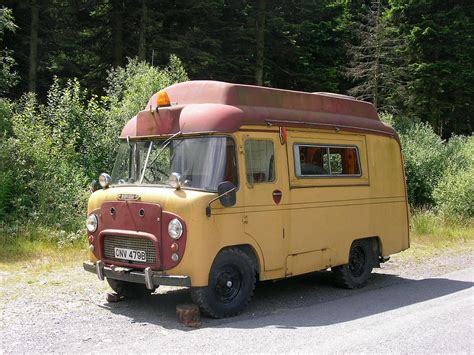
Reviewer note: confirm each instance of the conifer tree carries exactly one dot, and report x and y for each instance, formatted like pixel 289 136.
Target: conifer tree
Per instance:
pixel 375 60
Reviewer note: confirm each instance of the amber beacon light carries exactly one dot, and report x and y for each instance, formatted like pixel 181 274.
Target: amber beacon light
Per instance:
pixel 162 99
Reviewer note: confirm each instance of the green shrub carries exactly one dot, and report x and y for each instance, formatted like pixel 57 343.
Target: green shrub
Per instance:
pixel 44 149
pixel 6 173
pixel 6 186
pixel 130 88
pixel 425 162
pixel 439 174
pixel 54 149
pixel 6 113
pixel 454 193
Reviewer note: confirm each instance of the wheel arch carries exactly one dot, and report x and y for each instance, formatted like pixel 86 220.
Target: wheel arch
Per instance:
pixel 375 245
pixel 250 251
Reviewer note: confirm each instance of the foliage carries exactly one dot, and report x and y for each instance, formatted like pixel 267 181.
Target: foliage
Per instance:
pixel 7 185
pixel 8 76
pixel 130 88
pixel 47 166
pixel 454 193
pixel 425 162
pixel 439 174
pixel 6 113
pixel 59 146
pixel 410 57
pixel 376 62
pixel 440 54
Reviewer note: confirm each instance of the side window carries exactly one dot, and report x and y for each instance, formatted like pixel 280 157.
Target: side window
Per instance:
pixel 312 160
pixel 344 161
pixel 259 161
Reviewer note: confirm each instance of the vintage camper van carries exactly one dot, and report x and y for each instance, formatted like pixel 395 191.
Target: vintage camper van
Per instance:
pixel 219 185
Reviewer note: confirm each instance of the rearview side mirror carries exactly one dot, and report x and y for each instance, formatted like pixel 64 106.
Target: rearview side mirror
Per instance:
pixel 226 192
pixel 226 195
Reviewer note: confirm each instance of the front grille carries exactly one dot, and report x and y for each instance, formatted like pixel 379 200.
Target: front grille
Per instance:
pixel 117 241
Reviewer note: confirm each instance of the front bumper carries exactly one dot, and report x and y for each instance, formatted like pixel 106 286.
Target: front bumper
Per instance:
pixel 150 278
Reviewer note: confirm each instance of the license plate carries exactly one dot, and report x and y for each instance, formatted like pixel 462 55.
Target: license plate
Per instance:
pixel 130 254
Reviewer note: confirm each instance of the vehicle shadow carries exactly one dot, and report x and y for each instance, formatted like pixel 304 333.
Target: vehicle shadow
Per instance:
pixel 313 296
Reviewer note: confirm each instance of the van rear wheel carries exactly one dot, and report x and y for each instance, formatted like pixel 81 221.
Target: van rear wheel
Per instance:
pixel 356 273
pixel 231 284
pixel 129 290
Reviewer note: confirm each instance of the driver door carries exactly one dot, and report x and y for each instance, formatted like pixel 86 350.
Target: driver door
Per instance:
pixel 265 196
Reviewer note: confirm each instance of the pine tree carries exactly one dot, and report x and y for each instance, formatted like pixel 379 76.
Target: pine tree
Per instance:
pixel 376 58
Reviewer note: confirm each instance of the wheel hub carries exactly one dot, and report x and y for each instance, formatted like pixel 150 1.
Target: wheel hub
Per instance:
pixel 228 283
pixel 357 261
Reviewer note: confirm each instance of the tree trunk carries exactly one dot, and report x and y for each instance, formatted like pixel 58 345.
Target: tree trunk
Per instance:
pixel 142 40
pixel 33 60
pixel 118 32
pixel 260 36
pixel 378 46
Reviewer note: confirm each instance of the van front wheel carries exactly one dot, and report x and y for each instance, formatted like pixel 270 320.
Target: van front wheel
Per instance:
pixel 230 287
pixel 356 273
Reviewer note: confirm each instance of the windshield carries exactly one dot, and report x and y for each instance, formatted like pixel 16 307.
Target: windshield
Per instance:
pixel 202 162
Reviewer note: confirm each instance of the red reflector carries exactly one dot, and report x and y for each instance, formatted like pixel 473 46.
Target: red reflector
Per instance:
pixel 174 247
pixel 91 238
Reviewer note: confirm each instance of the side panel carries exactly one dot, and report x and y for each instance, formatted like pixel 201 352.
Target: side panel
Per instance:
pixel 327 214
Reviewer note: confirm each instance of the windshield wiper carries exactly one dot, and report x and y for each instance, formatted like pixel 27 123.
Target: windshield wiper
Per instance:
pixel 146 162
pixel 164 145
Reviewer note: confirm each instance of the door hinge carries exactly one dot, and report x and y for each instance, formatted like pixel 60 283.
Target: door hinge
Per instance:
pixel 245 220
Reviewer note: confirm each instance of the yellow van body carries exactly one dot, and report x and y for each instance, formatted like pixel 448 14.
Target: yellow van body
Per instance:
pixel 291 225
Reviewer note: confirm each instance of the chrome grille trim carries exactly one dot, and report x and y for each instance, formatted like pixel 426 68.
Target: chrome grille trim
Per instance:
pixel 137 243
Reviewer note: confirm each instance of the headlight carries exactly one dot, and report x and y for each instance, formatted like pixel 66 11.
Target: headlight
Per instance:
pixel 92 223
pixel 175 229
pixel 105 180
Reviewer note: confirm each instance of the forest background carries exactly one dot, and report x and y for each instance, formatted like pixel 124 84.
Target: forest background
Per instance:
pixel 72 72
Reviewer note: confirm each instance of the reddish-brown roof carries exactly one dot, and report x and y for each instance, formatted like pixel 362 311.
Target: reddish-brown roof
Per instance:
pixel 212 106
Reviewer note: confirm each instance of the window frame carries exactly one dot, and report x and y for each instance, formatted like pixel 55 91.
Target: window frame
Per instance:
pixel 297 162
pixel 275 178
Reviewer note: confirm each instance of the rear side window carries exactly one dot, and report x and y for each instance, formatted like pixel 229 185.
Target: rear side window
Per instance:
pixel 320 160
pixel 259 161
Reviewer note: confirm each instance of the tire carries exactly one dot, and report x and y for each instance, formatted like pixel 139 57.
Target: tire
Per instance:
pixel 129 290
pixel 231 284
pixel 356 273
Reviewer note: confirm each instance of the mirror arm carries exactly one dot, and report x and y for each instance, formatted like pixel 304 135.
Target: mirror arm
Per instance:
pixel 208 208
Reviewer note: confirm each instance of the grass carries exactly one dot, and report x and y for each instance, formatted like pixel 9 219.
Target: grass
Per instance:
pixel 438 231
pixel 46 248
pixel 433 234
pixel 40 248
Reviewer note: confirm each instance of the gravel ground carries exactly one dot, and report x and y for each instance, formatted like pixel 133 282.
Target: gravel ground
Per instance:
pixel 65 310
